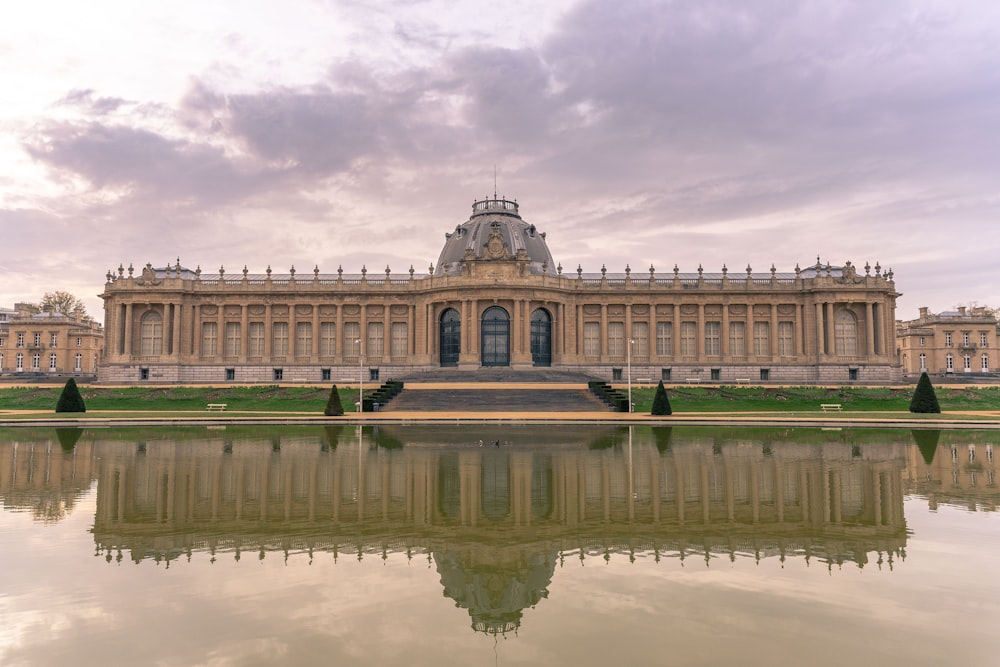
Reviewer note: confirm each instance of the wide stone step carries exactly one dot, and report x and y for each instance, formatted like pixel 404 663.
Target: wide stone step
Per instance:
pixel 495 400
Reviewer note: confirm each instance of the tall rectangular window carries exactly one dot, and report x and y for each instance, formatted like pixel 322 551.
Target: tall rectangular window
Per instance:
pixel 738 339
pixel 640 334
pixel 982 338
pixel 209 339
pixel 38 340
pixel 327 339
pixel 947 339
pixel 376 339
pixel 303 339
pixel 712 348
pixel 664 344
pixel 20 340
pixel 591 339
pixel 256 339
pixel 400 339
pixel 279 339
pixel 54 339
pixel 616 340
pixel 78 362
pixel 352 339
pixel 786 339
pixel 232 339
pixel 761 339
pixel 53 360
pixel 689 344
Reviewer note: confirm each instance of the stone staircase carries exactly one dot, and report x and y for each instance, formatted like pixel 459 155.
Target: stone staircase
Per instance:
pixel 499 399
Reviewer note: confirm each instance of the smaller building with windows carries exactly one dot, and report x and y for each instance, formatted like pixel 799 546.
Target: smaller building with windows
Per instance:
pixel 48 344
pixel 962 341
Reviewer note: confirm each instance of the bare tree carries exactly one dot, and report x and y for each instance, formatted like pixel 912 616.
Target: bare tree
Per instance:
pixel 65 303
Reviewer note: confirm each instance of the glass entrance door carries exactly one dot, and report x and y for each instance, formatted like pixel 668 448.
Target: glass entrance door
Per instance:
pixel 451 337
pixel 496 337
pixel 541 338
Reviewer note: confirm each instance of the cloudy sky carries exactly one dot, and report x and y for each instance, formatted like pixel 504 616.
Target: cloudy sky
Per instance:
pixel 349 133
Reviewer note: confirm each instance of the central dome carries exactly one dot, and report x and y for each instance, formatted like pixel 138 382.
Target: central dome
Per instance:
pixel 495 232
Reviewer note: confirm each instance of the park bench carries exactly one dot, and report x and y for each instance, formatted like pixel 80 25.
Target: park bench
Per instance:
pixel 742 380
pixel 644 381
pixel 693 380
pixel 216 406
pixel 830 407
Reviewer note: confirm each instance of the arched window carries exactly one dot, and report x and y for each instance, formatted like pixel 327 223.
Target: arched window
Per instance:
pixel 846 334
pixel 151 334
pixel 923 361
pixel 949 363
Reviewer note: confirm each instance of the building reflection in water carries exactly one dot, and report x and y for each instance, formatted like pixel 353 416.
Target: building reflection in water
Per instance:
pixel 496 512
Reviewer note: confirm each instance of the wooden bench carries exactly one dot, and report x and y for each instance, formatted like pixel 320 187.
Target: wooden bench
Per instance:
pixel 693 380
pixel 347 381
pixel 216 406
pixel 643 381
pixel 742 380
pixel 830 407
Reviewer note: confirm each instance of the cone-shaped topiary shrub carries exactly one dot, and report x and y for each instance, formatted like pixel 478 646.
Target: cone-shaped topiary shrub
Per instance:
pixel 661 403
pixel 70 399
pixel 334 408
pixel 924 399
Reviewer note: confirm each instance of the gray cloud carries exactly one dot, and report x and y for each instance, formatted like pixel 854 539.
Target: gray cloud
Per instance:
pixel 635 132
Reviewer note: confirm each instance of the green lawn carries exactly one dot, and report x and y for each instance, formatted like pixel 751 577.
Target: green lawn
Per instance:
pixel 808 399
pixel 271 398
pixel 266 398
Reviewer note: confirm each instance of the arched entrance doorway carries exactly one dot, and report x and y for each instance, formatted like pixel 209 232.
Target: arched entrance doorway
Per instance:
pixel 541 337
pixel 496 337
pixel 451 337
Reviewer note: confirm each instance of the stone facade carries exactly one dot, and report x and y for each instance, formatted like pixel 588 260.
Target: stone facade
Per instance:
pixel 495 299
pixel 48 344
pixel 953 343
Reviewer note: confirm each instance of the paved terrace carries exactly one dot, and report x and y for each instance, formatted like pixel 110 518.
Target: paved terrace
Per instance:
pixel 497 393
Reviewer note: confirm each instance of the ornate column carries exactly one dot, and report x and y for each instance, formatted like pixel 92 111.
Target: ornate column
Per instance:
pixel 338 333
pixel 700 334
pixel 128 330
pixel 175 343
pixel 870 329
pixel 196 331
pixel 316 336
pixel 220 336
pixel 604 331
pixel 820 332
pixel 773 333
pixel 831 342
pixel 724 333
pixel 268 332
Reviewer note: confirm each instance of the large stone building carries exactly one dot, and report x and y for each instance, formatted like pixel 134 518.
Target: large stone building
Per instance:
pixel 957 342
pixel 49 344
pixel 498 298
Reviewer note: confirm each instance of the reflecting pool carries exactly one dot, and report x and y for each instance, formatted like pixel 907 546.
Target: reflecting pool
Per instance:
pixel 498 545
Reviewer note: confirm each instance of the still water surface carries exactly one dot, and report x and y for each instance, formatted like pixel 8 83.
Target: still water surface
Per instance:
pixel 480 545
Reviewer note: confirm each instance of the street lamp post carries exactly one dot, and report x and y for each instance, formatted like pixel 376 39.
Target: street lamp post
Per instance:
pixel 361 375
pixel 628 363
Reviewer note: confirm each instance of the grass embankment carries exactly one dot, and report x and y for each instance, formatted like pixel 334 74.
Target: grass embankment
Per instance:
pixel 312 399
pixel 257 398
pixel 808 399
